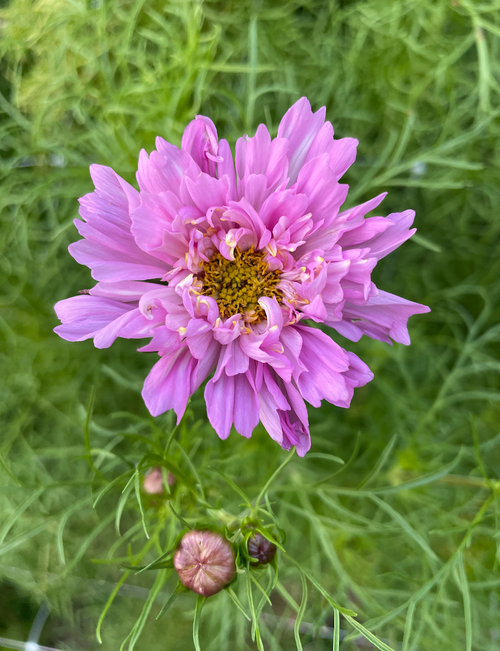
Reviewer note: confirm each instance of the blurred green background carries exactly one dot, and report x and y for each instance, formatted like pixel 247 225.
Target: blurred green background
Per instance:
pixel 407 534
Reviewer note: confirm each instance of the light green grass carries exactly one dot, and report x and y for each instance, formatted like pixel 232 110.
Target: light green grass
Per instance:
pixel 406 532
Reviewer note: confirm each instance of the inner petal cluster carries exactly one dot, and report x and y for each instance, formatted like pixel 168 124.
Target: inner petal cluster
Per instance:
pixel 238 284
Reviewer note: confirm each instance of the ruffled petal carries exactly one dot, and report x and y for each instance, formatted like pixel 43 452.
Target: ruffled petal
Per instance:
pixel 169 384
pixel 219 396
pixel 383 317
pixel 325 362
pixel 398 232
pixel 300 126
pixel 86 317
pixel 201 143
pixel 109 248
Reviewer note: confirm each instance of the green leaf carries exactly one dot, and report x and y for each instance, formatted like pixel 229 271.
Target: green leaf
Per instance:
pixel 347 465
pixel 181 519
pixel 264 593
pixel 382 646
pixel 236 488
pixel 386 452
pixel 238 603
pixel 123 501
pixel 273 477
pixel 336 629
pixel 88 420
pixel 138 627
pixel 178 589
pixel 300 614
pixel 111 485
pixel 408 624
pixel 158 561
pixel 137 484
pixel 108 604
pixel 319 587
pixel 62 525
pixel 17 513
pixel 464 587
pixel 255 620
pixel 406 526
pixel 325 456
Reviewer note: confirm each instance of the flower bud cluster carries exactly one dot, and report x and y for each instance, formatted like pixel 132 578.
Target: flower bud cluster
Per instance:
pixel 206 561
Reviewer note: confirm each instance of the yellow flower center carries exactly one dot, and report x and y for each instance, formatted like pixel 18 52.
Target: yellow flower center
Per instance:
pixel 238 284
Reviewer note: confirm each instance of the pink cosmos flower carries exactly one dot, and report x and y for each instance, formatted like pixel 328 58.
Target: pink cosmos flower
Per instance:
pixel 243 253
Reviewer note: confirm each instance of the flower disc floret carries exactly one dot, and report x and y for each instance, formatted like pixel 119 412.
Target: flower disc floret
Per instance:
pixel 237 285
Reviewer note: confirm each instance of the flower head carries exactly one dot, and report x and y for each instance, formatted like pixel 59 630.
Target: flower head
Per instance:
pixel 205 562
pixel 243 253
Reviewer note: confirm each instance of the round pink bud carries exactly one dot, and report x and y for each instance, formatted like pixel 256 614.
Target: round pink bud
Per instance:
pixel 204 562
pixel 153 482
pixel 261 549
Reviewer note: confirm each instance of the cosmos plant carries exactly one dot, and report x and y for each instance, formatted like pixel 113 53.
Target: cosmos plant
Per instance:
pixel 242 255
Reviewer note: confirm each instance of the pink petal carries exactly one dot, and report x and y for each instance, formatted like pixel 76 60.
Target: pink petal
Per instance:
pixel 325 362
pixel 383 316
pixel 164 341
pixel 109 248
pixel 83 317
pixel 207 363
pixel 226 167
pixel 357 375
pixel 294 433
pixel 152 219
pixel 237 361
pixel 164 170
pixel 367 230
pixel 342 155
pixel 126 291
pixel 207 192
pixel 200 142
pixel 219 396
pixel 319 183
pixel 132 325
pixel 246 406
pixel 300 126
pixel 383 243
pixel 283 203
pixel 168 385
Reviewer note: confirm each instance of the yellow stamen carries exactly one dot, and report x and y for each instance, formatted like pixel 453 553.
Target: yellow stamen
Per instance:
pixel 238 284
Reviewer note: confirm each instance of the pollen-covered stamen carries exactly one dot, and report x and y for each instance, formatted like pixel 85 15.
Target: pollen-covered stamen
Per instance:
pixel 238 284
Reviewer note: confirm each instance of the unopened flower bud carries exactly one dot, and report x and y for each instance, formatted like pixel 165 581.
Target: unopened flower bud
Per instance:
pixel 153 482
pixel 204 562
pixel 260 548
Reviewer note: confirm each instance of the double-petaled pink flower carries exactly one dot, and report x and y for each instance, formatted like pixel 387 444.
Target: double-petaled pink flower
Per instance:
pixel 242 254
